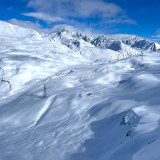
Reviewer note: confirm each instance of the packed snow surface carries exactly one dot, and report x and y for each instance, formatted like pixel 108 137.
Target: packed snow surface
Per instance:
pixel 58 103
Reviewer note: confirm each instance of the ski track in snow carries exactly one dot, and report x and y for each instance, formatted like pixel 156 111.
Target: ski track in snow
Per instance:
pixel 43 111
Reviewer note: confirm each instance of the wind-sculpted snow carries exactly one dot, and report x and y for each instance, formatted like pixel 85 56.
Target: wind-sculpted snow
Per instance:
pixel 97 105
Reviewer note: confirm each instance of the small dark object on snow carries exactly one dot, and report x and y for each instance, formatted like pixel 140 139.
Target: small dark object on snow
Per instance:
pixel 10 86
pixel 71 71
pixel 88 94
pixel 44 91
pixel 128 134
pixel 123 122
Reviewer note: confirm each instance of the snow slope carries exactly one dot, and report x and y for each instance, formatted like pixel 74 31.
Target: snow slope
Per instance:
pixel 131 42
pixel 10 30
pixel 96 107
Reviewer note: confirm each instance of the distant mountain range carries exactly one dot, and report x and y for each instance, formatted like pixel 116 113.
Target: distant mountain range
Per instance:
pixel 123 45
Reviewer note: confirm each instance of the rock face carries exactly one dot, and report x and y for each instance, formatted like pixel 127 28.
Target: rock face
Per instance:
pixel 146 45
pixel 116 46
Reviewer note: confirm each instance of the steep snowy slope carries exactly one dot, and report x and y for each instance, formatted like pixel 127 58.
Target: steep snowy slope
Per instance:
pixel 119 45
pixel 58 103
pixel 146 45
pixel 79 42
pixel 104 42
pixel 133 42
pixel 66 32
pixel 10 30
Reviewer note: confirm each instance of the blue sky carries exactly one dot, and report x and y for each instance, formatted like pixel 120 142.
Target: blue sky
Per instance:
pixel 140 17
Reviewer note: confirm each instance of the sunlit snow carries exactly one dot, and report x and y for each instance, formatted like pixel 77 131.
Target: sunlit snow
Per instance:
pixel 99 103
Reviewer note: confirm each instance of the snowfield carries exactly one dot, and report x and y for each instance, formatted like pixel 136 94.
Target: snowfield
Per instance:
pixel 60 101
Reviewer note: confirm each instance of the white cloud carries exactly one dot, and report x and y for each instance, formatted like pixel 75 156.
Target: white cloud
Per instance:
pixel 43 16
pixel 156 40
pixel 66 10
pixel 76 8
pixel 121 19
pixel 158 31
pixel 25 24
pixel 157 35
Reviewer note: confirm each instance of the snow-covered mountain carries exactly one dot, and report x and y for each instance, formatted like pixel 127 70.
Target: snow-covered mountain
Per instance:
pixel 78 42
pixel 69 37
pixel 122 45
pixel 118 42
pixel 9 30
pixel 105 42
pixel 67 96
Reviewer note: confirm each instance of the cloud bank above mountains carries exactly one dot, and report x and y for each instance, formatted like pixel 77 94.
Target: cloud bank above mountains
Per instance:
pixel 99 16
pixel 71 10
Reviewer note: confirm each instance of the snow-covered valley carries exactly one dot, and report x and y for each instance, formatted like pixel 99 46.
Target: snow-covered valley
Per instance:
pixel 64 96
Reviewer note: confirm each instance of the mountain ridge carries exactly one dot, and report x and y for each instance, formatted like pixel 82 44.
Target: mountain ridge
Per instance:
pixel 71 37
